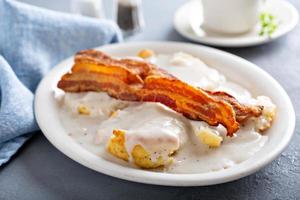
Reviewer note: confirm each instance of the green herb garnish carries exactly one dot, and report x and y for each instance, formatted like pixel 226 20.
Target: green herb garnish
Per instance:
pixel 268 24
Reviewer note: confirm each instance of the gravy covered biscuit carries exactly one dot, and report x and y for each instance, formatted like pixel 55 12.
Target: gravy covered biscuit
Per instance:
pixel 147 138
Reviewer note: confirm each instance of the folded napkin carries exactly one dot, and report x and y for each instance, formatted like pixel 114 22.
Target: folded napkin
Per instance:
pixel 32 40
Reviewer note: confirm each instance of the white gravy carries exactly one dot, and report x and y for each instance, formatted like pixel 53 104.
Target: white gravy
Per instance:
pixel 148 123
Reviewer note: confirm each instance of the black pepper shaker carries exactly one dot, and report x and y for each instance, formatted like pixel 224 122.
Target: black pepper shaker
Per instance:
pixel 129 16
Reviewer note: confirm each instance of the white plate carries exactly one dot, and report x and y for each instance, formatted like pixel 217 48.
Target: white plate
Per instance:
pixel 188 20
pixel 235 68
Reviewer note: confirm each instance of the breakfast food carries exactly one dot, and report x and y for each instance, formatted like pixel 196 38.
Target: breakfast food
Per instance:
pixel 160 131
pixel 135 80
pixel 140 156
pixel 172 116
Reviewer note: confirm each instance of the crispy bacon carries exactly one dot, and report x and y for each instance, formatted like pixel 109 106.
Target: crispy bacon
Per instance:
pixel 134 80
pixel 242 112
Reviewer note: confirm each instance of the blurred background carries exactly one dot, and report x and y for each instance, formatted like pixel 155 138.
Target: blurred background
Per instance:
pixel 93 8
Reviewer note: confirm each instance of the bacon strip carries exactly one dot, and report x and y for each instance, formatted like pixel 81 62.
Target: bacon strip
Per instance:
pixel 133 80
pixel 243 112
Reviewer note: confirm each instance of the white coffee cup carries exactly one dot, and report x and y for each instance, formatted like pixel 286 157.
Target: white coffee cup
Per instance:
pixel 230 16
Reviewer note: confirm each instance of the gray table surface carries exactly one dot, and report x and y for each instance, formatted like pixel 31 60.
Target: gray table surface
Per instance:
pixel 39 171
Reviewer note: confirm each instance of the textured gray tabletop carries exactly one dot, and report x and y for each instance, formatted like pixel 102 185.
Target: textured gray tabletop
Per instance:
pixel 39 171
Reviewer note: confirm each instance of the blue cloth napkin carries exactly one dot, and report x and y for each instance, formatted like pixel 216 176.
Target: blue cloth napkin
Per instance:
pixel 32 40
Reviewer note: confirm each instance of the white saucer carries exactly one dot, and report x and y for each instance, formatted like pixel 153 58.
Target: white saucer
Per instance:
pixel 188 20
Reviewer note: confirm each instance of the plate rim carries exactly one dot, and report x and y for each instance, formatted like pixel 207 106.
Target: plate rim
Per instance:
pixel 232 42
pixel 156 178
